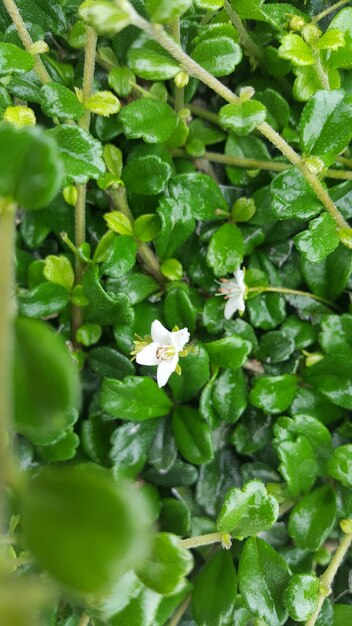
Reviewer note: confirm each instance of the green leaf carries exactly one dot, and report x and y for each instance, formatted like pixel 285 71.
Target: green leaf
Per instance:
pixel 320 240
pixel 252 433
pixel 192 435
pixel 249 147
pixel 242 117
pixel 294 49
pixel 104 308
pixel 44 300
pixel 120 257
pixel 325 125
pixel 171 269
pixel 336 334
pixel 194 375
pixel 225 252
pixel 77 517
pixel 58 101
pixel 167 565
pixel 148 400
pixel 263 576
pixel 275 347
pixel 106 361
pixel 243 210
pixel 58 270
pixel 120 79
pixel 31 171
pixel 80 153
pixel 103 103
pixel 230 352
pixel 62 450
pixel 129 448
pixel 343 22
pixel 119 223
pixel 329 277
pixel 313 518
pixel 88 334
pixel 148 60
pixel 293 197
pixel 267 311
pixel 146 227
pixel 14 60
pixel 301 596
pixel 298 465
pixel 164 11
pixel 106 17
pixel 342 614
pixel 332 376
pixel 248 511
pixel 340 465
pixel 152 120
pixel 218 54
pixel 146 173
pixel 230 395
pixel 46 383
pixel 273 394
pixel 175 517
pixel 213 604
pixel 178 309
pixel 199 193
pixel 317 435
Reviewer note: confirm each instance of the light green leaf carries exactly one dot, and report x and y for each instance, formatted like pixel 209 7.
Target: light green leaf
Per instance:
pixel 148 400
pixel 106 17
pixel 294 49
pixel 14 60
pixel 320 240
pixel 80 153
pixel 242 117
pixel 148 60
pixel 340 465
pixel 58 269
pixel 59 101
pixel 301 596
pixel 248 511
pixel 103 103
pixel 152 120
pixel 167 565
pixel 164 11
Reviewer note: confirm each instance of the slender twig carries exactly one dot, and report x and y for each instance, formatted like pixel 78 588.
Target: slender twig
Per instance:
pixel 84 620
pixel 26 39
pixel 327 578
pixel 329 10
pixel 202 540
pixel 80 208
pixel 321 73
pixel 292 292
pixel 252 49
pixel 179 91
pixel 156 31
pixel 180 611
pixel 344 161
pixel 148 259
pixel 7 311
pixel 256 164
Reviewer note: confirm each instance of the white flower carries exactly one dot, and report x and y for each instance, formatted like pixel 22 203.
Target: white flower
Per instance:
pixel 163 351
pixel 234 291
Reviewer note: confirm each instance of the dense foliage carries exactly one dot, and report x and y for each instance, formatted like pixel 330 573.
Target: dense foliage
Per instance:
pixel 168 456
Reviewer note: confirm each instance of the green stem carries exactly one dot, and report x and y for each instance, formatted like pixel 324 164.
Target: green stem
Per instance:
pixel 26 39
pixel 256 164
pixel 84 621
pixel 180 611
pixel 327 578
pixel 7 312
pixel 202 540
pixel 155 31
pixel 251 48
pixel 292 292
pixel 344 161
pixel 329 10
pixel 321 73
pixel 80 208
pixel 179 92
pixel 146 255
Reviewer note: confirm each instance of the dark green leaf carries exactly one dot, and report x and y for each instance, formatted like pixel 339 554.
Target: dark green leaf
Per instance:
pixel 273 394
pixel 167 564
pixel 225 252
pixel 340 465
pixel 80 153
pixel 229 352
pixel 14 60
pixel 150 119
pixel 58 101
pixel 213 604
pixel 313 518
pixel 248 511
pixel 192 435
pixel 134 398
pixel 230 395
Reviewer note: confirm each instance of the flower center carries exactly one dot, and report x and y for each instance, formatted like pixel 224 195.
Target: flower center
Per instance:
pixel 164 353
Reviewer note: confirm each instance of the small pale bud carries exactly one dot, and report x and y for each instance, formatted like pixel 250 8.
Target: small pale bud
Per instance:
pixel 184 114
pixel 246 93
pixel 346 526
pixel 19 116
pixel 181 80
pixel 314 165
pixel 70 194
pixel 297 23
pixel 311 33
pixel 39 47
pixel 312 357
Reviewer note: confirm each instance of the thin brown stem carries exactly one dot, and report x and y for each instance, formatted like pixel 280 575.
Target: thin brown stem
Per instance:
pixel 252 49
pixel 292 292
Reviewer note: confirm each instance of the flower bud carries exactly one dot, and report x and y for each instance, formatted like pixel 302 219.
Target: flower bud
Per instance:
pixel 246 93
pixel 314 165
pixel 346 526
pixel 311 33
pixel 70 194
pixel 39 47
pixel 181 80
pixel 297 23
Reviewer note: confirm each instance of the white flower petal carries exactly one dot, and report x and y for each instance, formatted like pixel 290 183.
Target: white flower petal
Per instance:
pixel 239 277
pixel 165 369
pixel 232 305
pixel 160 333
pixel 180 338
pixel 147 356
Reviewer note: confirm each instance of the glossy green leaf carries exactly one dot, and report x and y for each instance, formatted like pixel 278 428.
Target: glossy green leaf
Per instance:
pixel 166 10
pixel 44 300
pixel 340 465
pixel 146 174
pixel 129 447
pixel 150 119
pixel 263 576
pixel 320 240
pixel 230 395
pixel 105 16
pixel 325 125
pixel 192 435
pixel 58 270
pixel 273 394
pixel 213 604
pixel 219 55
pixel 248 511
pixel 194 375
pixel 301 596
pixel 150 61
pixel 62 450
pixel 105 361
pixel 242 117
pixel 88 334
pixel 14 60
pixel 199 193
pixel 292 197
pixel 336 334
pixel 294 49
pixel 80 153
pixel 343 22
pixel 121 256
pixel 178 310
pixel 103 103
pixel 229 352
pixel 77 517
pixel 104 308
pixel 225 251
pixel 31 171
pixel 146 227
pixel 148 400
pixel 167 564
pixel 332 376
pixel 46 384
pixel 312 518
pixel 58 101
